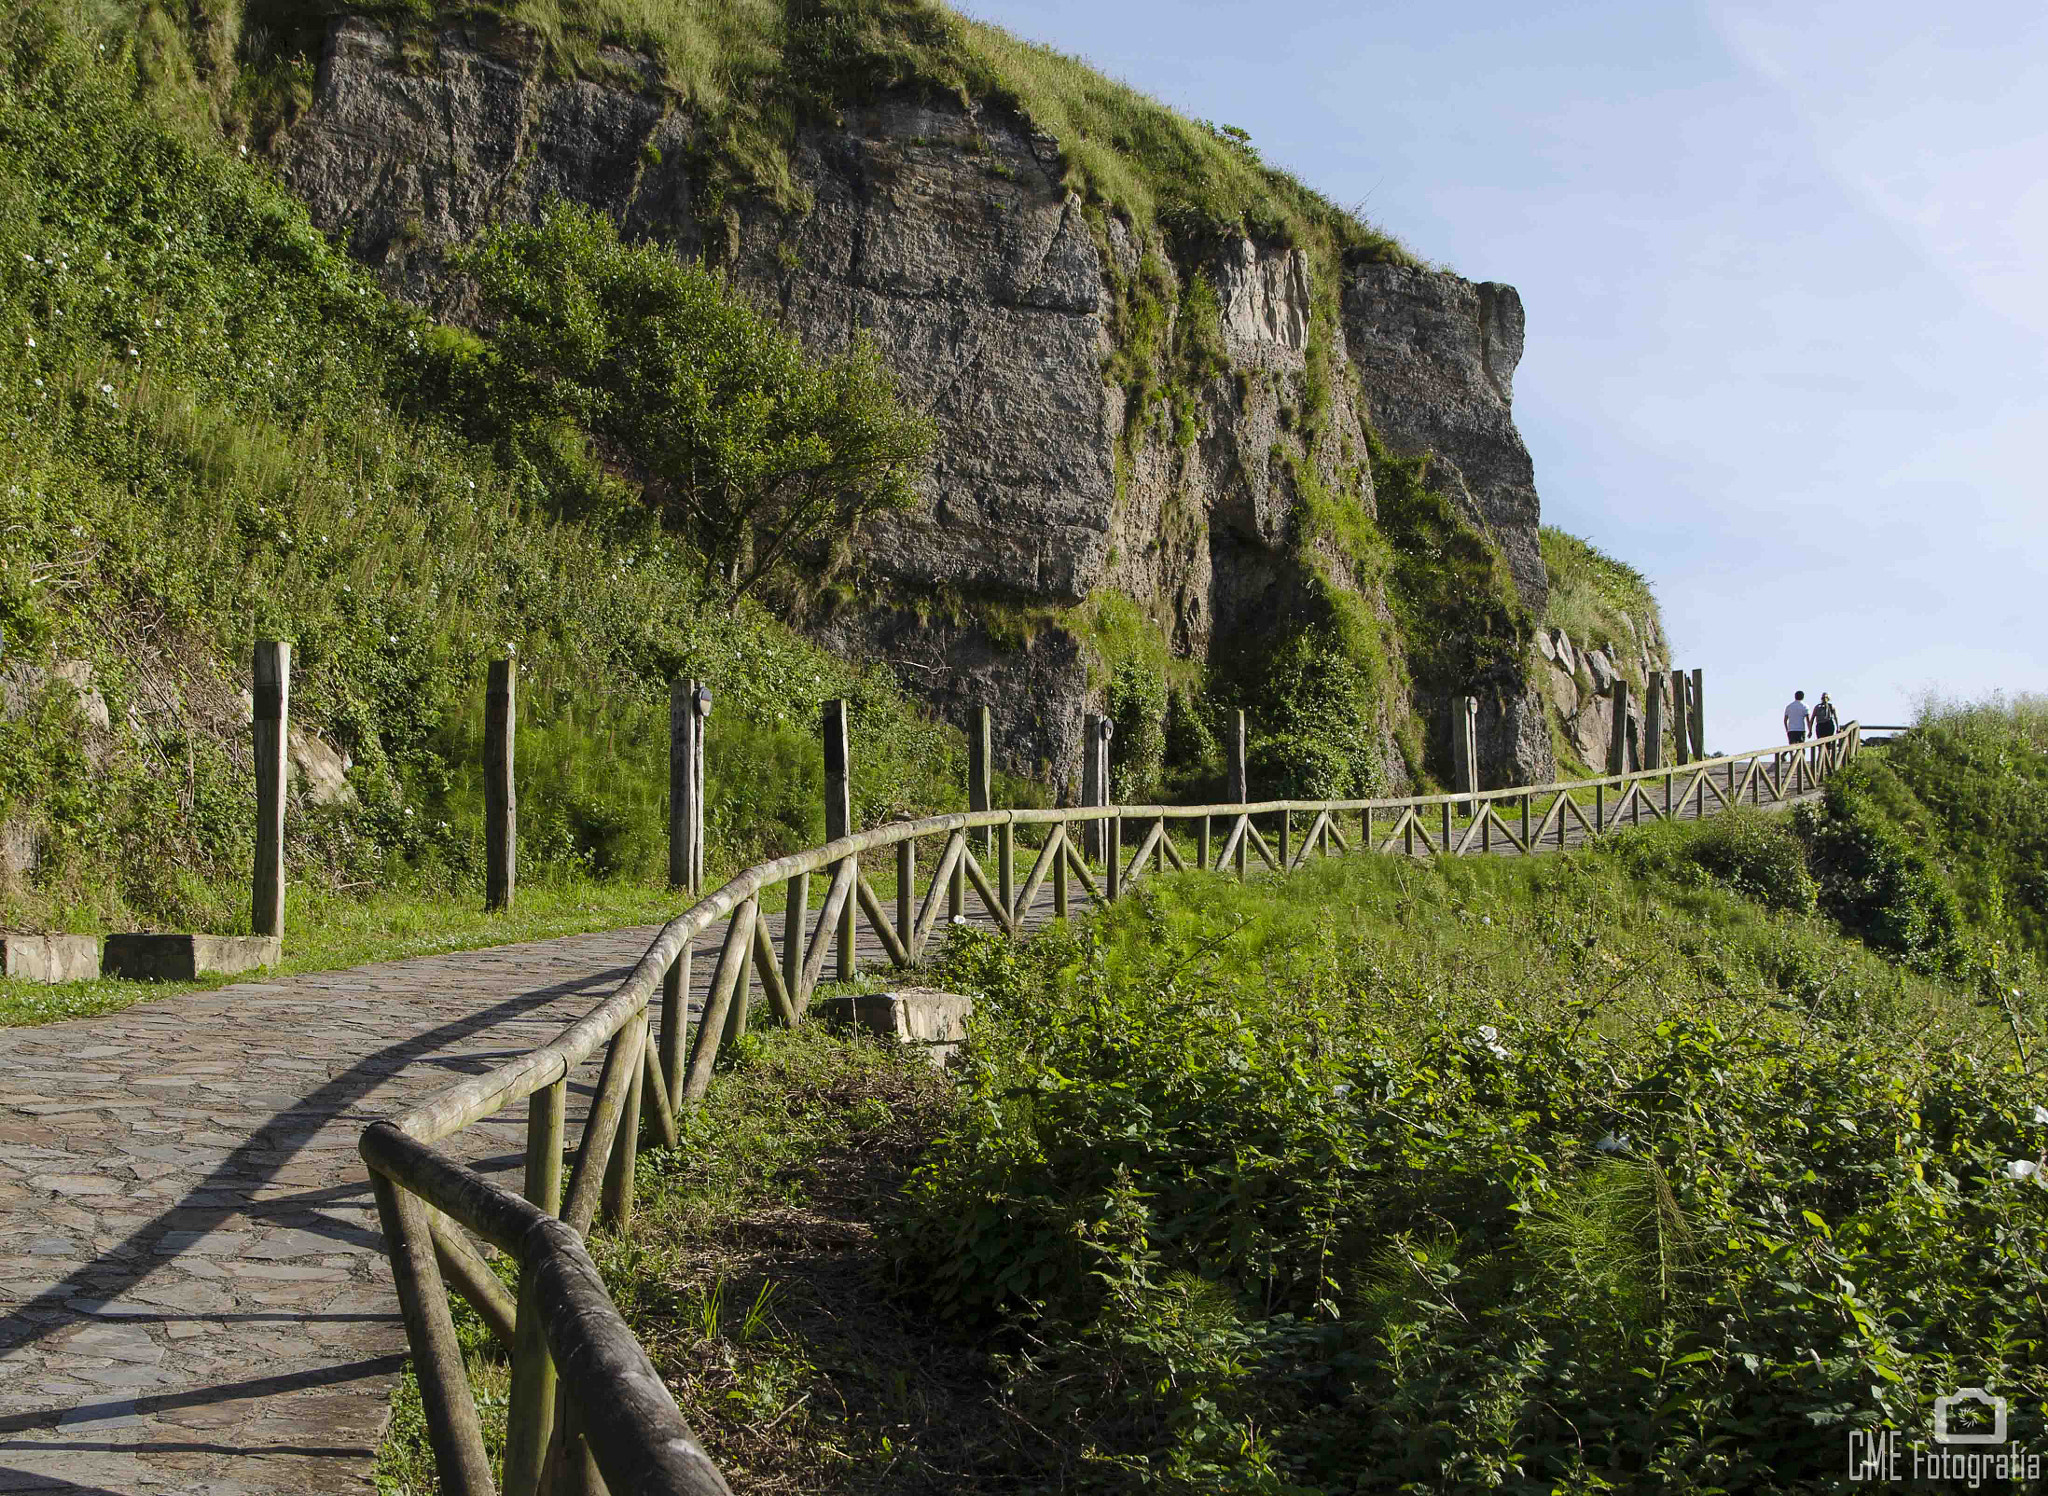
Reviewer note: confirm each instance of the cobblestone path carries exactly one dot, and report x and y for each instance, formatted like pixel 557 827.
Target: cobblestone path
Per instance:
pixel 193 1296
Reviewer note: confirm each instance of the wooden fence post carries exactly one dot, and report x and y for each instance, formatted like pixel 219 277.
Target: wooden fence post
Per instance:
pixel 979 743
pixel 501 791
pixel 1095 779
pixel 1617 740
pixel 1465 748
pixel 1653 719
pixel 689 710
pixel 272 680
pixel 1240 791
pixel 1697 714
pixel 1681 715
pixel 839 816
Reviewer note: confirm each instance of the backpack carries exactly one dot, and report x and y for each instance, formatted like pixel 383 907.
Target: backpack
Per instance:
pixel 1823 721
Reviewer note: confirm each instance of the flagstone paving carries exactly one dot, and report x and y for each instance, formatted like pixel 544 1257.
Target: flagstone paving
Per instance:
pixel 193 1296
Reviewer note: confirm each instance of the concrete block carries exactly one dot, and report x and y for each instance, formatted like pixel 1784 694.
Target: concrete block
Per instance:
pixel 180 958
pixel 933 1020
pixel 50 958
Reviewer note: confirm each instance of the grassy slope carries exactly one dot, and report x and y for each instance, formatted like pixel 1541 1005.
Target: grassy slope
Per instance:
pixel 214 428
pixel 1591 592
pixel 1627 1166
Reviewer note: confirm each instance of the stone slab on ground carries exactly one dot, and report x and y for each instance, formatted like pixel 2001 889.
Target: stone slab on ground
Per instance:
pixel 50 958
pixel 180 958
pixel 908 1015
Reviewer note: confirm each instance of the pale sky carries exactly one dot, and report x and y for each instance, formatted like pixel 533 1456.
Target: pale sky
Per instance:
pixel 1783 264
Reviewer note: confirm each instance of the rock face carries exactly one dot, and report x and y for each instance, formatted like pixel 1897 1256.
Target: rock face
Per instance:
pixel 1436 356
pixel 948 235
pixel 1577 683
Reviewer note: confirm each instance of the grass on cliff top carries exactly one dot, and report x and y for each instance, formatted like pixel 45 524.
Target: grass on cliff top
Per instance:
pixel 1591 592
pixel 753 70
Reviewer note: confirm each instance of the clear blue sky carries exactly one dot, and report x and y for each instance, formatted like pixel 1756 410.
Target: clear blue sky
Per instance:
pixel 1784 269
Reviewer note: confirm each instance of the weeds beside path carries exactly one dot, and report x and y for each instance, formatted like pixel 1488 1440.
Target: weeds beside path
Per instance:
pixel 330 932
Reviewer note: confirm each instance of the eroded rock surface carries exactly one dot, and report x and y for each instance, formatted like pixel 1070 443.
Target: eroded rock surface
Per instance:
pixel 947 234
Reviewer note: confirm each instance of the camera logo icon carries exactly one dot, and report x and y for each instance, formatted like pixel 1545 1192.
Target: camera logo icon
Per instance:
pixel 1967 1395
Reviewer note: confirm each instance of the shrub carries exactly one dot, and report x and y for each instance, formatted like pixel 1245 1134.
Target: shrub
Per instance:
pixel 1874 880
pixel 1260 1214
pixel 763 456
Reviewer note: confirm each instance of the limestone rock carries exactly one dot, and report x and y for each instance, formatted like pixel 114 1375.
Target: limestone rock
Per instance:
pixel 1437 356
pixel 318 773
pixel 1546 645
pixel 1602 670
pixel 1566 655
pixel 948 234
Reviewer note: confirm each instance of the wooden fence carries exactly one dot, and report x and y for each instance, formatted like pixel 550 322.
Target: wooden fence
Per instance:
pixel 588 1411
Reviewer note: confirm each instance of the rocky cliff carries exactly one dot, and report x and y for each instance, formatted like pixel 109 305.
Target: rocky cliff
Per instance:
pixel 1124 412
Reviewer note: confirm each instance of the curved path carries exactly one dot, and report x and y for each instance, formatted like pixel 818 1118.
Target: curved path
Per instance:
pixel 193 1291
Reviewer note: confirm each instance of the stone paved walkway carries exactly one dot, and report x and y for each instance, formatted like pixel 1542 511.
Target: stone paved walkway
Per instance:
pixel 193 1296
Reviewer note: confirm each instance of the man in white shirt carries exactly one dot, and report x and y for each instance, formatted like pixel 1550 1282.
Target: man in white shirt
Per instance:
pixel 1795 718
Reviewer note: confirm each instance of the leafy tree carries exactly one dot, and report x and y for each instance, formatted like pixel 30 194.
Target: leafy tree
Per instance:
pixel 760 453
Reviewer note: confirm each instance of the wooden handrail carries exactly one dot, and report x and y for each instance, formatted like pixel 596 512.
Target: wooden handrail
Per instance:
pixel 632 1432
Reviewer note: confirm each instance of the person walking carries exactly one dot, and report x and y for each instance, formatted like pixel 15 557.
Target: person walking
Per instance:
pixel 1825 723
pixel 1796 715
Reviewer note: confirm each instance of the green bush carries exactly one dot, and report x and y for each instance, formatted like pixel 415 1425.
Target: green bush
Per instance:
pixel 1872 877
pixel 1754 853
pixel 1264 1205
pixel 766 459
pixel 1317 712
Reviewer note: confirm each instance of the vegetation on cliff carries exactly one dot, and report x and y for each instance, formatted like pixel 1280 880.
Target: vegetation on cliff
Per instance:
pixel 749 76
pixel 213 428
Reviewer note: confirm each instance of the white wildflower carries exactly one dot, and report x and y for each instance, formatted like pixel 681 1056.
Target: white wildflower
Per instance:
pixel 2041 1116
pixel 31 342
pixel 2023 1168
pixel 1613 1143
pixel 959 919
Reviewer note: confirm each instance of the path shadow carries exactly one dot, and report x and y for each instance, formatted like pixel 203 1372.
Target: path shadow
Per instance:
pixel 146 1251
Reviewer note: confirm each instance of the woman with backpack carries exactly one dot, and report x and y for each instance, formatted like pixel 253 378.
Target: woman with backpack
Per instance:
pixel 1825 721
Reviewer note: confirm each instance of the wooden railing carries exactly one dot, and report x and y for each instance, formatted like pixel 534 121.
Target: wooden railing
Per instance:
pixel 588 1410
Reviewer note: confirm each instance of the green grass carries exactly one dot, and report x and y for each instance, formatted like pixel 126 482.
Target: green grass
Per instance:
pixel 329 931
pixel 1624 1167
pixel 214 428
pixel 1591 592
